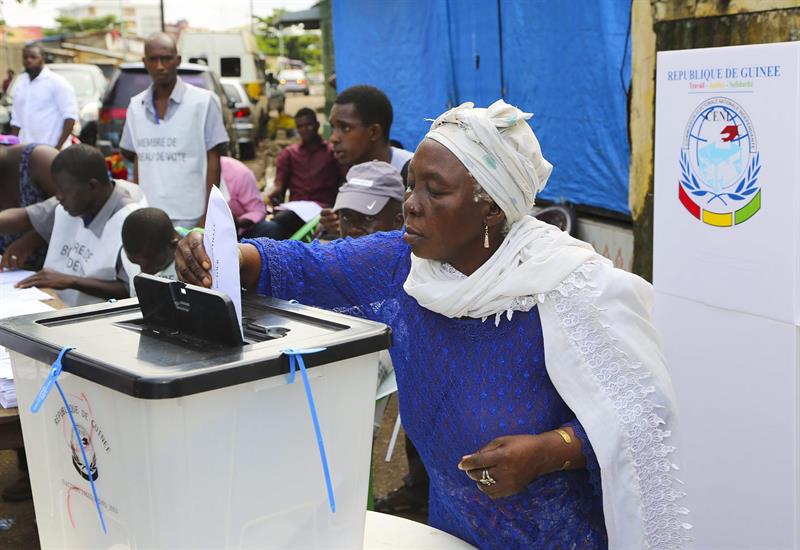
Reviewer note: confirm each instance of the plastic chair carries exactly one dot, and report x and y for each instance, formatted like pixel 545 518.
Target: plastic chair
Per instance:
pixel 306 233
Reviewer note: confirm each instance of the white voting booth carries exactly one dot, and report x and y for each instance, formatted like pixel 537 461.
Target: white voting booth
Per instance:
pixel 726 263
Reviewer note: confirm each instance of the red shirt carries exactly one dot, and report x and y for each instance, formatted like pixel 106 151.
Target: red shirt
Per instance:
pixel 311 173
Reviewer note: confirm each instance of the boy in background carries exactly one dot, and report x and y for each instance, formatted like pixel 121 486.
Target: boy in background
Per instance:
pixel 149 240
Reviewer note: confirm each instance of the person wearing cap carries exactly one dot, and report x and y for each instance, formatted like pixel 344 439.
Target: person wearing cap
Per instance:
pixel 378 186
pixel 371 200
pixel 361 123
pixel 531 378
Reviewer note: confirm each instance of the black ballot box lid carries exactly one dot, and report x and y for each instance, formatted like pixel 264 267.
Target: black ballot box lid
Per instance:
pixel 116 348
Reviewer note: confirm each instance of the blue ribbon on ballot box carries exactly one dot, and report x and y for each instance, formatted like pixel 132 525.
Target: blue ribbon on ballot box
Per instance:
pixel 295 360
pixel 50 381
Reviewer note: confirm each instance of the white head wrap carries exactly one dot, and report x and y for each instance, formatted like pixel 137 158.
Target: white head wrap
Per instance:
pixel 498 147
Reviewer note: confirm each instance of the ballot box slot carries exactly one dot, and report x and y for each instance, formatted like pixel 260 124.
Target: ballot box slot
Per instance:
pixel 253 333
pixel 188 313
pixel 82 316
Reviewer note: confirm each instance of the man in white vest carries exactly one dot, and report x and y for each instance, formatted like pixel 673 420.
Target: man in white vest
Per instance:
pixel 174 132
pixel 83 225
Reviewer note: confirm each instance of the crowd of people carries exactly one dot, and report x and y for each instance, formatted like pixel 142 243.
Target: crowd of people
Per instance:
pixel 531 384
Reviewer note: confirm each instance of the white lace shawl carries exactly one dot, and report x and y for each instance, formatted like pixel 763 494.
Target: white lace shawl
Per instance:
pixel 604 358
pixel 532 259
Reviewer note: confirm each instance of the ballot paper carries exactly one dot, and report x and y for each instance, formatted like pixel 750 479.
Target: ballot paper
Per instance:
pixel 12 308
pixel 8 391
pixel 5 364
pixel 14 276
pixel 219 240
pixel 305 210
pixel 8 292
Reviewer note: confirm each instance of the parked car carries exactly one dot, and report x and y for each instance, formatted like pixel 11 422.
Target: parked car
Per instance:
pixel 88 82
pixel 293 80
pixel 245 116
pixel 132 79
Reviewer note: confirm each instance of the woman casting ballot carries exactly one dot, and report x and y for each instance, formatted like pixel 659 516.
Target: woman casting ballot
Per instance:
pixel 530 377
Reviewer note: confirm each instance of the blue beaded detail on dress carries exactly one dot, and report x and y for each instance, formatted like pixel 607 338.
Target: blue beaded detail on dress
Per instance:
pixel 463 382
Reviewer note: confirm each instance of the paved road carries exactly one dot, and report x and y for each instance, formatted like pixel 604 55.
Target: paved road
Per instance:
pixel 295 102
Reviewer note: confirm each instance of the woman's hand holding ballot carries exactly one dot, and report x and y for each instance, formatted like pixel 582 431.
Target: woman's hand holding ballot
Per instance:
pixel 193 264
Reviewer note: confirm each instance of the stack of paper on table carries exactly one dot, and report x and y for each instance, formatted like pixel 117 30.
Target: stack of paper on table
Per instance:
pixel 13 302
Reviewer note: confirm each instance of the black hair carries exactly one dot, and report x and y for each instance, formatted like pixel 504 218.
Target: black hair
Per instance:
pixel 82 162
pixel 396 143
pixel 88 133
pixel 305 111
pixel 34 46
pixel 147 229
pixel 404 173
pixel 371 104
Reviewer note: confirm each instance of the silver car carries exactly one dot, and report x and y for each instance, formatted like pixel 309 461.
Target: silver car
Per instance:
pixel 294 80
pixel 243 123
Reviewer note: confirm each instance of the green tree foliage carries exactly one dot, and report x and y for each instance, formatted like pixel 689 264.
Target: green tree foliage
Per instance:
pixel 303 47
pixel 70 25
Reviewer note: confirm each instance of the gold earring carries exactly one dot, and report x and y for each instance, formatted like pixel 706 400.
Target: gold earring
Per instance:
pixel 486 237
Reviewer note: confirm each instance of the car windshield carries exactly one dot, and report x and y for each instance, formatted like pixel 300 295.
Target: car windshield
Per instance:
pixel 131 83
pixel 292 75
pixel 81 81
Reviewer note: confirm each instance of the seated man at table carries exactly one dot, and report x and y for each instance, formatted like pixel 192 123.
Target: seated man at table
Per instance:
pixel 83 225
pixel 308 170
pixel 149 241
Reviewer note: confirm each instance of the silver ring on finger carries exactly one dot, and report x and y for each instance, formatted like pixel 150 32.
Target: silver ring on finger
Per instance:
pixel 486 479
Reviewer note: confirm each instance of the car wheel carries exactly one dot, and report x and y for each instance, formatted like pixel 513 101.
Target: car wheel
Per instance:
pixel 306 91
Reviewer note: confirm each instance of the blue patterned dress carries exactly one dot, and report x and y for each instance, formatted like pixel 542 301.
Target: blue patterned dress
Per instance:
pixel 462 383
pixel 29 194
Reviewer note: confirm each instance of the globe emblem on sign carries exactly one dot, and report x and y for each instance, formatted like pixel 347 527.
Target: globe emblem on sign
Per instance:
pixel 720 165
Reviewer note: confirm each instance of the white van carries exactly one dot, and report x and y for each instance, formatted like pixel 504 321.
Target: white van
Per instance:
pixel 229 54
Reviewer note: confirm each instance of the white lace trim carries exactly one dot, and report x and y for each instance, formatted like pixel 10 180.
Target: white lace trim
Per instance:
pixel 520 303
pixel 624 382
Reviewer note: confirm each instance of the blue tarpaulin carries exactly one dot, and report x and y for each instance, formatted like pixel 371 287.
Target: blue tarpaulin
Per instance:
pixel 566 62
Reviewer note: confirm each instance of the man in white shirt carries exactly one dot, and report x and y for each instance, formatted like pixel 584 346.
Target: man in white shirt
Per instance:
pixel 45 107
pixel 175 133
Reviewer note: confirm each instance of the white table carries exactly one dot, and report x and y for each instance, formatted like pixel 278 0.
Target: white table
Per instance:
pixel 385 531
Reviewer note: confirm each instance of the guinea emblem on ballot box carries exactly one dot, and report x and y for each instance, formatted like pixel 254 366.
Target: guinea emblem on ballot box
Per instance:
pixel 720 164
